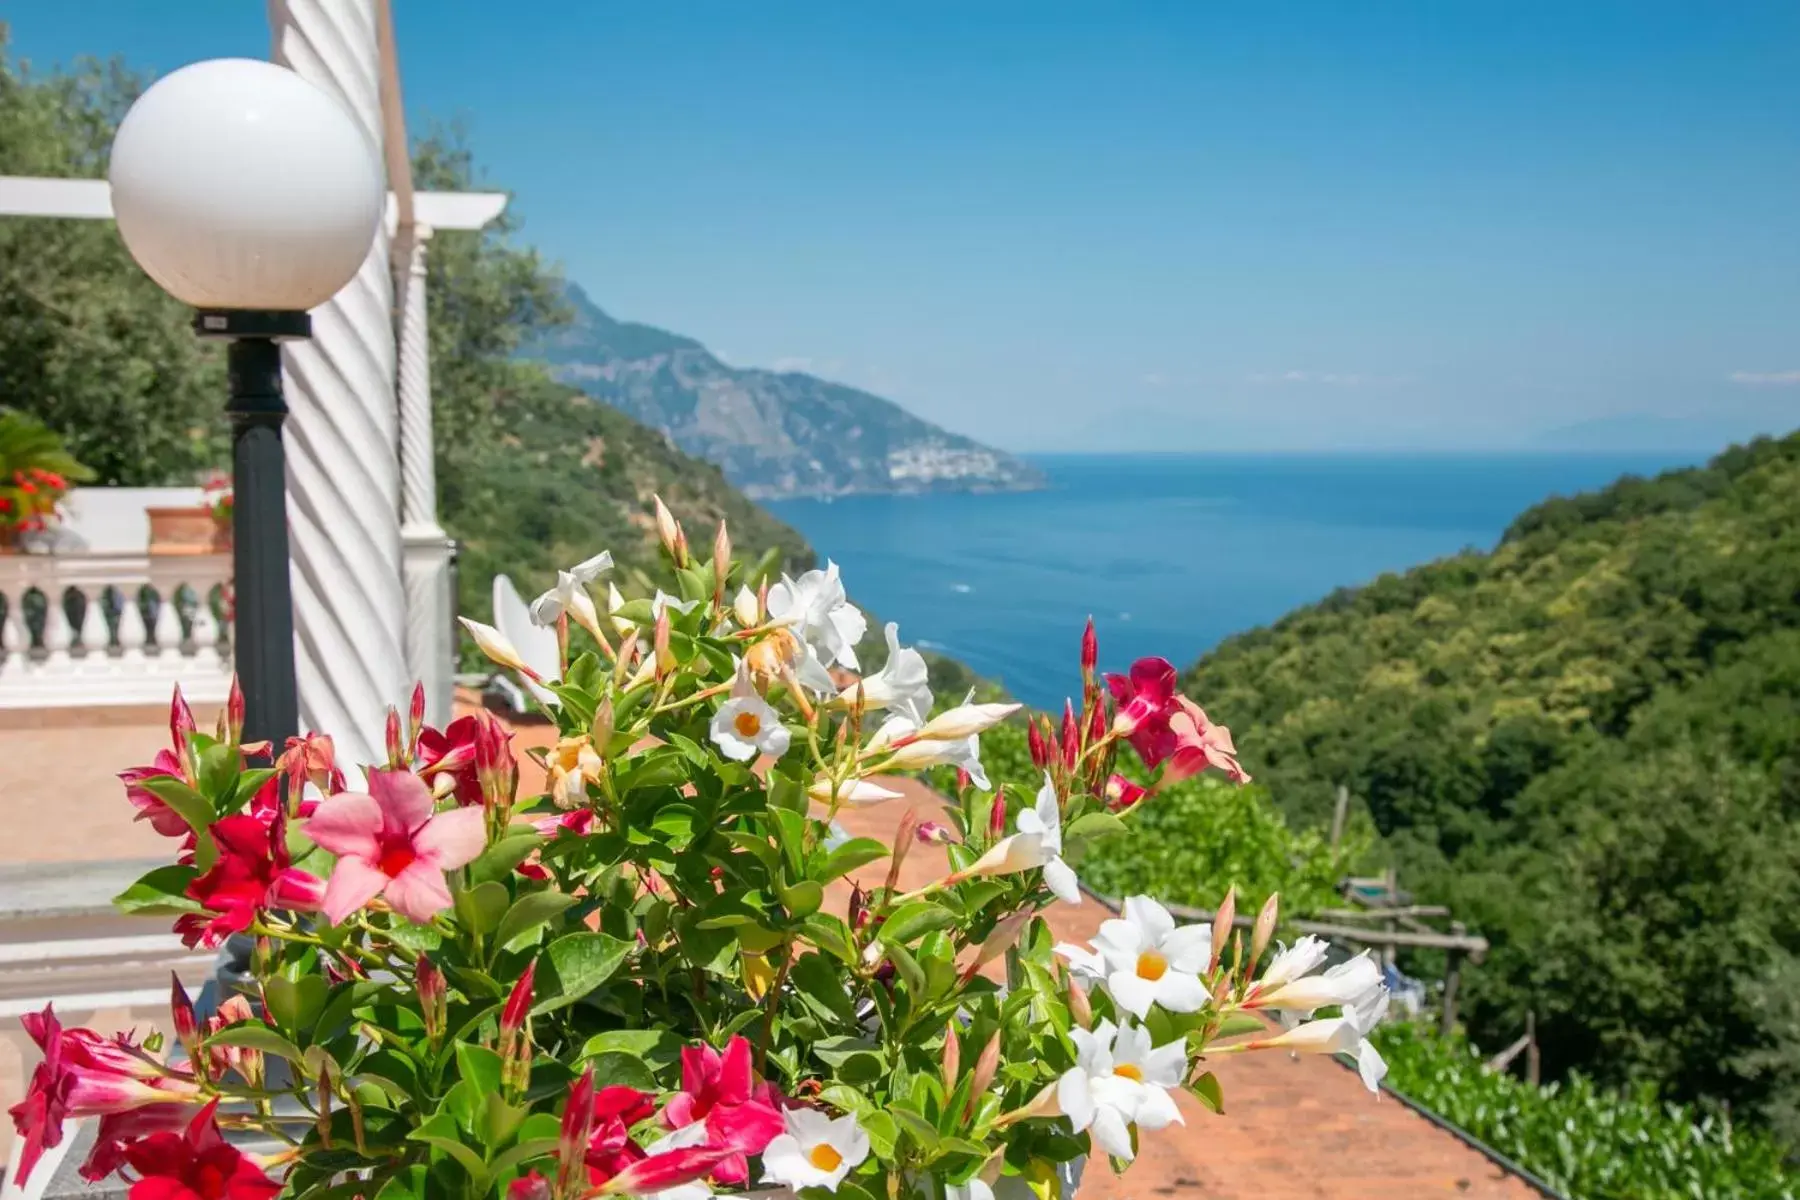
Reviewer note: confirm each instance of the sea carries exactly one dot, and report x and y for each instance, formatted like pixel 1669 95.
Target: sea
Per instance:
pixel 1168 553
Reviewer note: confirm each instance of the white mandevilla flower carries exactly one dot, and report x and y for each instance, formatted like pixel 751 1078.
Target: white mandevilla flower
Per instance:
pixel 745 725
pixel 663 600
pixel 815 607
pixel 1149 961
pixel 854 792
pixel 1008 856
pixel 1119 1079
pixel 570 595
pixel 816 1150
pixel 1291 962
pixel 1085 966
pixel 902 685
pixel 1345 984
pixel 495 645
pixel 967 719
pixel 1345 1034
pixel 1045 819
pixel 743 607
pixel 914 753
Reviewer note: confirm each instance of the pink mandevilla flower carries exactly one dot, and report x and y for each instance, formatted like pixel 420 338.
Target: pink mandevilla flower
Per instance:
pixel 1146 698
pixel 162 818
pixel 1200 744
pixel 741 1115
pixel 390 843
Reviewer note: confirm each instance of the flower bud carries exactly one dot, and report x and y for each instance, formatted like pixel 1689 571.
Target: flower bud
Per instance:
pixel 985 1068
pixel 997 815
pixel 517 1012
pixel 934 833
pixel 1080 1007
pixel 665 658
pixel 234 712
pixel 903 840
pixel 1222 923
pixel 1096 725
pixel 415 720
pixel 495 767
pixel 743 607
pixel 500 651
pixel 395 747
pixel 952 1057
pixel 1040 750
pixel 859 907
pixel 577 1127
pixel 187 1025
pixel 1090 650
pixel 668 532
pixel 1071 737
pixel 601 731
pixel 181 720
pixel 721 564
pixel 1121 793
pixel 433 997
pixel 1264 928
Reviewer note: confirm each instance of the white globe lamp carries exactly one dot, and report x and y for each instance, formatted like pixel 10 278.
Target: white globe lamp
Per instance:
pixel 252 195
pixel 239 185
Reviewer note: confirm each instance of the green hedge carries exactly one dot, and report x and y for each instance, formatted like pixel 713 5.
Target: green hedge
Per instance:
pixel 1591 1143
pixel 1191 842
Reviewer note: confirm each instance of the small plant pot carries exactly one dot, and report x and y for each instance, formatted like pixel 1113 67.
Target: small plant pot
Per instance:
pixel 192 530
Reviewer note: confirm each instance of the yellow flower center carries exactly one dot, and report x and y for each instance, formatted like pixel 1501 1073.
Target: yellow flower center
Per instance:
pixel 1152 965
pixel 824 1157
pixel 748 724
pixel 1129 1071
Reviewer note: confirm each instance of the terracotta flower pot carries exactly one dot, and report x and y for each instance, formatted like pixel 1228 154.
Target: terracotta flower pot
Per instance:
pixel 192 530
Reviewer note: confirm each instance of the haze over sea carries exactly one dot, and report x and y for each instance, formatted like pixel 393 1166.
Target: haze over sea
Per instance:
pixel 1169 553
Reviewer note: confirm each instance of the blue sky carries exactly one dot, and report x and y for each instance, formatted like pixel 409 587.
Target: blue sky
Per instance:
pixel 1322 225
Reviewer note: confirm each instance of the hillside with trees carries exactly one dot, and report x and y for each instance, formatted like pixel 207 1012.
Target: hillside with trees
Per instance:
pixel 1586 741
pixel 531 473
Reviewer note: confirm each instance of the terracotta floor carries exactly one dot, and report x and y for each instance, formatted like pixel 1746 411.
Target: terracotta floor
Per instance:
pixel 1294 1129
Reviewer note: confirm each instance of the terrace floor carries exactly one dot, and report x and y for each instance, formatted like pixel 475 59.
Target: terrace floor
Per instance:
pixel 1294 1128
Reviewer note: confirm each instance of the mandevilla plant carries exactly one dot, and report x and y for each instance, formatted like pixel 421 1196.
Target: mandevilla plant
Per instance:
pixel 675 972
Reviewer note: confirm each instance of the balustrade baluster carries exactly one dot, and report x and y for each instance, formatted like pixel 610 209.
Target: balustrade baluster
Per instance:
pixel 204 628
pixel 166 635
pixel 14 639
pixel 58 634
pixel 132 634
pixel 95 637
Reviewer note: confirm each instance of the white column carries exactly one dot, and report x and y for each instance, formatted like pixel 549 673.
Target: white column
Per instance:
pixel 430 642
pixel 342 439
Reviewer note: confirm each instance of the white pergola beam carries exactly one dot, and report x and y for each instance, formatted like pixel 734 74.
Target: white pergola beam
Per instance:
pixel 26 196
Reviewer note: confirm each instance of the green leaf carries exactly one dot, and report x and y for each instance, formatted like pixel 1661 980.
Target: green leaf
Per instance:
pixel 856 852
pixel 923 1133
pixel 482 907
pixel 803 899
pixel 1094 824
pixel 257 1037
pixel 478 1066
pixel 295 1004
pixel 496 863
pixel 344 999
pixel 1206 1089
pixel 188 804
pixel 614 1068
pixel 831 935
pixel 218 775
pixel 524 1152
pixel 647 1044
pixel 787 795
pixel 915 919
pixel 756 844
pixel 527 913
pixel 441 1132
pixel 655 769
pixel 577 964
pixel 249 782
pixel 161 893
pixel 853 1060
pixel 908 966
pixel 821 987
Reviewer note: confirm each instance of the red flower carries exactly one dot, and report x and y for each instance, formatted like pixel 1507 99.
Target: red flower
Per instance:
pixel 86 1075
pixel 1121 793
pixel 1146 699
pixel 198 1164
pixel 741 1116
pixel 447 759
pixel 251 873
pixel 162 818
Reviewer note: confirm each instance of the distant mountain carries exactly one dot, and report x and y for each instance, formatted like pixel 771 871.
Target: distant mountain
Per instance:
pixel 773 433
pixel 1632 432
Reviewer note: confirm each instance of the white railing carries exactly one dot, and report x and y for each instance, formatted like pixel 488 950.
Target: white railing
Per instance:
pixel 113 629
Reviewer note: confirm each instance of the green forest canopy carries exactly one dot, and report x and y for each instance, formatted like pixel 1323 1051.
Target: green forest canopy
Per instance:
pixel 531 474
pixel 1588 743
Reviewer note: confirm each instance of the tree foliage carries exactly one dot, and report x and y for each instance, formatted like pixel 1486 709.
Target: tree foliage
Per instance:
pixel 1587 742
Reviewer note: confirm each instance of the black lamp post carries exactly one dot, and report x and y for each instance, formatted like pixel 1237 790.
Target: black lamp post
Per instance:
pixel 253 196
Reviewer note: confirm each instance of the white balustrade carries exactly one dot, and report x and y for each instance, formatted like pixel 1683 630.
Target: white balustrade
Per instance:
pixel 142 623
